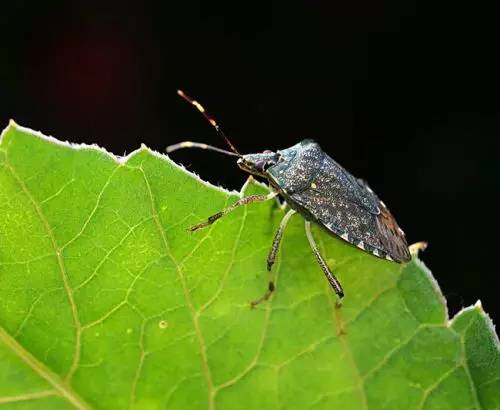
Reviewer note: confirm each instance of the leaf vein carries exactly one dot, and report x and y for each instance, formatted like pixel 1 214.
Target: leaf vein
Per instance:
pixel 229 267
pixel 252 364
pixel 466 365
pixel 427 392
pixel 27 396
pixel 199 336
pixel 63 388
pixel 60 261
pixel 339 327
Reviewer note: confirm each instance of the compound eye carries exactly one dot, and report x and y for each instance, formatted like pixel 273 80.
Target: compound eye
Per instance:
pixel 267 151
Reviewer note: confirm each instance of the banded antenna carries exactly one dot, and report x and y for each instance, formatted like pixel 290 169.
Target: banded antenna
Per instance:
pixel 189 144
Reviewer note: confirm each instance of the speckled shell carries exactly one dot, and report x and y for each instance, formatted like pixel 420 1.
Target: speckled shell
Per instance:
pixel 321 190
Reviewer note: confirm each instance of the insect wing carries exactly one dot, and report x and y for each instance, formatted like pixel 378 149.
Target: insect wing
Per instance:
pixel 348 208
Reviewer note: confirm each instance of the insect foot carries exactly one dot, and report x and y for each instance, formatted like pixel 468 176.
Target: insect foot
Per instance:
pixel 243 201
pixel 197 227
pixel 265 296
pixel 209 221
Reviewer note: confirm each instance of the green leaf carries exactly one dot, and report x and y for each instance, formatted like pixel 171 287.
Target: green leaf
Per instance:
pixel 106 301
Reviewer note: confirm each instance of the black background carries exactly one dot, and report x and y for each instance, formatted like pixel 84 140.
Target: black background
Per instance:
pixel 403 94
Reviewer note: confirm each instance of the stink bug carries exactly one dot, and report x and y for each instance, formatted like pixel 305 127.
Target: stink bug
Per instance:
pixel 322 191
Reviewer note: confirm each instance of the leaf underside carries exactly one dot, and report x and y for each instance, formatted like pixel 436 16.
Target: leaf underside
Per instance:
pixel 106 301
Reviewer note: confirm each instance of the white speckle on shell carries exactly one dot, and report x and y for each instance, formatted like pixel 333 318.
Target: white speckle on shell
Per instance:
pixel 345 237
pixel 361 245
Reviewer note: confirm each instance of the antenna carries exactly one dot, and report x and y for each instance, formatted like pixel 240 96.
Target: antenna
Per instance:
pixel 210 119
pixel 191 144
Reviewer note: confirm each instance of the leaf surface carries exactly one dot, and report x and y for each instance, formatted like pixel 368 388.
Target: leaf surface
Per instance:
pixel 106 301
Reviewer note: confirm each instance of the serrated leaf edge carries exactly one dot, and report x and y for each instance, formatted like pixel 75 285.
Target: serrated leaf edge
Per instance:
pixel 116 158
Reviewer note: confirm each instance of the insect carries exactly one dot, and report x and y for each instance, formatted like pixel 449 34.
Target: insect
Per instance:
pixel 322 191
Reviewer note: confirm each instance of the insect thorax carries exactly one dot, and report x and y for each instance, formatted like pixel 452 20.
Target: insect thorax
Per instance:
pixel 297 167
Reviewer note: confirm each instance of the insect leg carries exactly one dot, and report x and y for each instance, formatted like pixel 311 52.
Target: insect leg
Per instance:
pixel 335 284
pixel 272 257
pixel 243 201
pixel 277 239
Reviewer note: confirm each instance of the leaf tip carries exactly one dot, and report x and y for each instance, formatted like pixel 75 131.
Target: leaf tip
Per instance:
pixel 249 181
pixel 488 322
pixel 12 124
